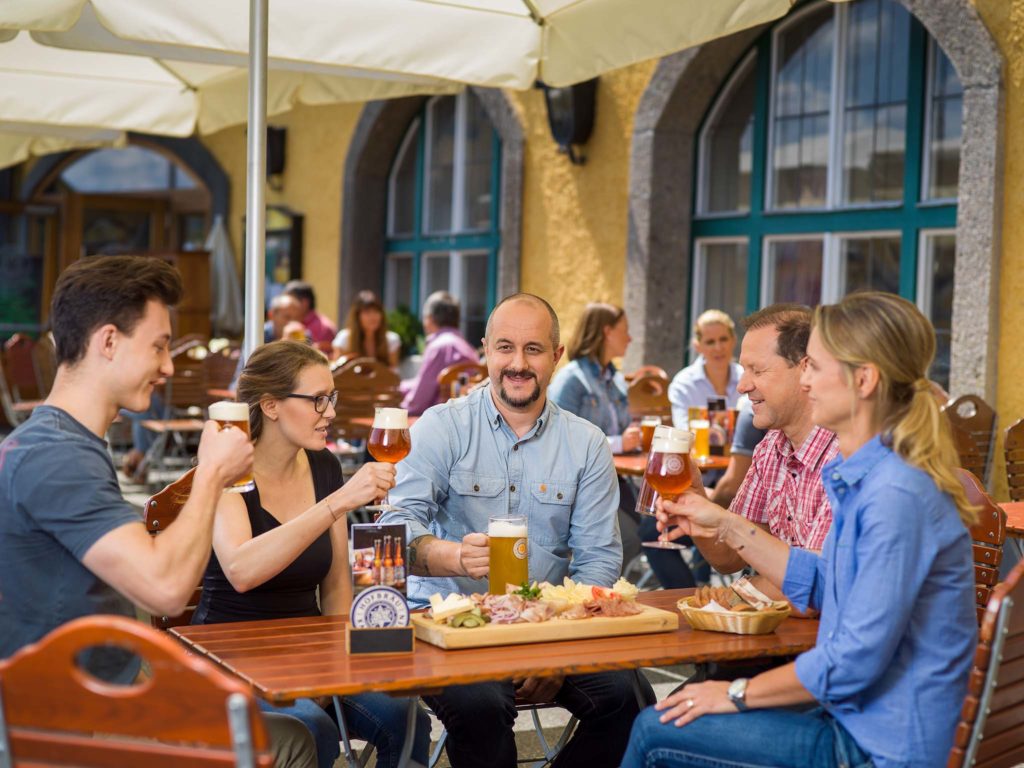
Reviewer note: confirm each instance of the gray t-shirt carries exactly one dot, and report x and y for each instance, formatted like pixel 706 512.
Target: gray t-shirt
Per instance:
pixel 58 496
pixel 746 436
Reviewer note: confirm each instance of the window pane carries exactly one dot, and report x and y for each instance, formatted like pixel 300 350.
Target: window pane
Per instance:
pixel 398 292
pixel 403 186
pixel 794 271
pixel 473 295
pixel 800 131
pixel 23 247
pixel 941 255
pixel 870 263
pixel 442 159
pixel 131 169
pixel 437 268
pixel 946 122
pixel 729 148
pixel 724 278
pixel 874 123
pixel 479 167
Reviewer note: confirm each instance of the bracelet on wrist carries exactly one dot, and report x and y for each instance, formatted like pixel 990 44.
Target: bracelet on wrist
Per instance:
pixel 330 509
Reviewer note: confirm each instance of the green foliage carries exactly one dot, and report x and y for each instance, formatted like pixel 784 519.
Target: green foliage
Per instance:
pixel 403 322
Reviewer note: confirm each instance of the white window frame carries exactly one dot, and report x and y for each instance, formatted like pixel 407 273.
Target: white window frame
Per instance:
pixel 457 223
pixel 926 143
pixel 925 263
pixel 704 151
pixel 767 264
pixel 700 269
pixel 390 288
pixel 408 145
pixel 456 273
pixel 837 289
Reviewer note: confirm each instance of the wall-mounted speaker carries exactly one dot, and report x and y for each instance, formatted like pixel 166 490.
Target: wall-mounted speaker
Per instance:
pixel 275 151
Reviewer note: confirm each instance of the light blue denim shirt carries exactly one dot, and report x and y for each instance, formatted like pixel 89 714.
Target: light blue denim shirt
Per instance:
pixel 895 586
pixel 595 394
pixel 691 387
pixel 467 465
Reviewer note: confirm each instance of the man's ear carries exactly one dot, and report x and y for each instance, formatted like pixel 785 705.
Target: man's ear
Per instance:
pixel 106 338
pixel 559 352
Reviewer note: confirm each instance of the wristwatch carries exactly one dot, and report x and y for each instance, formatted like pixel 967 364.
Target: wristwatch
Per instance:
pixel 738 693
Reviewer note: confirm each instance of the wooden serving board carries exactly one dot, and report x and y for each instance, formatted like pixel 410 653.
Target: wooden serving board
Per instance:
pixel 443 636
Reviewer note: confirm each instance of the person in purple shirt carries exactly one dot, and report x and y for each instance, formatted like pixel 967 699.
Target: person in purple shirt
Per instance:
pixel 321 329
pixel 445 346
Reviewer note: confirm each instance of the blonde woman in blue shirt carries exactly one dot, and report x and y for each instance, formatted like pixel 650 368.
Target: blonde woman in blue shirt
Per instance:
pixel 894 583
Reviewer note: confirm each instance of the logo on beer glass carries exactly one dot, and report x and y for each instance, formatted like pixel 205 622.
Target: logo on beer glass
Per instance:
pixel 509 552
pixel 228 413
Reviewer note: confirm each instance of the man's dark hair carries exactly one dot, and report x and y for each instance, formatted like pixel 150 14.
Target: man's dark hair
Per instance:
pixel 793 324
pixel 443 309
pixel 302 291
pixel 98 290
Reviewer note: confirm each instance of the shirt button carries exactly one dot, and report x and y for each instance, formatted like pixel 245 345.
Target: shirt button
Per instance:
pixel 515 447
pixel 476 488
pixel 512 488
pixel 559 494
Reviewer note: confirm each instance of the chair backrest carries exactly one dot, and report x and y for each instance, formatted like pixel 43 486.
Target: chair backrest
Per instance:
pixel 1013 450
pixel 161 510
pixel 187 713
pixel 989 535
pixel 973 422
pixel 44 356
pixel 456 379
pixel 363 384
pixel 219 367
pixel 646 370
pixel 187 387
pixel 21 369
pixel 988 735
pixel 648 396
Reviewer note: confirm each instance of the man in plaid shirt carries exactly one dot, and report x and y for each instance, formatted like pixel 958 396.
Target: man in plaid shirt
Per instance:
pixel 782 491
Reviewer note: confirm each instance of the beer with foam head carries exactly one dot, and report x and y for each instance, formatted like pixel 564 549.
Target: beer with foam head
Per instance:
pixel 509 549
pixel 389 439
pixel 228 413
pixel 647 426
pixel 668 467
pixel 648 497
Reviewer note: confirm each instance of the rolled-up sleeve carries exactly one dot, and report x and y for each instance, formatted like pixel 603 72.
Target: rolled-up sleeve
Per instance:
pixel 804 579
pixel 594 528
pixel 891 556
pixel 421 485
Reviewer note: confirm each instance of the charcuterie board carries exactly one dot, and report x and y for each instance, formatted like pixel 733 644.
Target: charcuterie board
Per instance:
pixel 444 636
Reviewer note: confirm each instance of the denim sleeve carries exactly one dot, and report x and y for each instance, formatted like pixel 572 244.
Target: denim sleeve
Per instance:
pixel 421 485
pixel 883 569
pixel 804 579
pixel 594 537
pixel 567 391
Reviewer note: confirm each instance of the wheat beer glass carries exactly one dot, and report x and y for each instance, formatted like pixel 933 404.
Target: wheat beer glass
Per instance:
pixel 669 473
pixel 389 442
pixel 647 426
pixel 231 414
pixel 508 545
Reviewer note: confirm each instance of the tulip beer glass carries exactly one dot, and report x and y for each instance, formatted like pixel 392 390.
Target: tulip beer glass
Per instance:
pixel 231 414
pixel 669 473
pixel 647 497
pixel 509 549
pixel 389 442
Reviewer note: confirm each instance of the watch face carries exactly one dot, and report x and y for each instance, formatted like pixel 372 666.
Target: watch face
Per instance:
pixel 738 689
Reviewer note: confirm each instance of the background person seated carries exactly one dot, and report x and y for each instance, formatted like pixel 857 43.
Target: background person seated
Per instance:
pixel 321 330
pixel 366 332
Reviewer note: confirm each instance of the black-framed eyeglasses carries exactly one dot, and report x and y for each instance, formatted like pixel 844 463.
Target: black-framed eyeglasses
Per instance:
pixel 320 402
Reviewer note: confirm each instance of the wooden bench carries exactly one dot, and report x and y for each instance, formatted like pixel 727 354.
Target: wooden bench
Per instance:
pixel 973 422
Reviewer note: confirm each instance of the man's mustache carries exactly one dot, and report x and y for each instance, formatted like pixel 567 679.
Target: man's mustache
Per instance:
pixel 512 372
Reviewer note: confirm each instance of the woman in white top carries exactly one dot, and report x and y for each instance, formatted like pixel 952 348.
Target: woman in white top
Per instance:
pixel 366 332
pixel 714 373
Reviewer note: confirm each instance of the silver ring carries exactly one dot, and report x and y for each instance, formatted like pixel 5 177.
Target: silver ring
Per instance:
pixel 689 703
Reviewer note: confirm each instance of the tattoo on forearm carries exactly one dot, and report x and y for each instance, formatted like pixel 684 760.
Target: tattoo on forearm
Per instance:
pixel 752 531
pixel 418 554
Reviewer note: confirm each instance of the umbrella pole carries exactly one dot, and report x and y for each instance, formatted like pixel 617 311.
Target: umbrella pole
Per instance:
pixel 256 174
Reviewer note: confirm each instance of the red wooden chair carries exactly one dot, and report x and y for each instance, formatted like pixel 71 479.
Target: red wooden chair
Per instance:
pixel 989 734
pixel 454 380
pixel 973 422
pixel 363 384
pixel 648 396
pixel 160 511
pixel 186 713
pixel 989 535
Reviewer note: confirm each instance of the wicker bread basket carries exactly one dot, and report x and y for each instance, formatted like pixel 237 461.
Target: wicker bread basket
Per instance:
pixel 737 622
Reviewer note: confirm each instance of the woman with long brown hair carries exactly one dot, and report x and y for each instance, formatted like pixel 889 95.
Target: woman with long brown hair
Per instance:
pixel 281 550
pixel 894 582
pixel 366 332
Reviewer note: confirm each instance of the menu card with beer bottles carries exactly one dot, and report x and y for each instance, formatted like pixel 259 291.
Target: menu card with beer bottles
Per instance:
pixel 379 617
pixel 378 557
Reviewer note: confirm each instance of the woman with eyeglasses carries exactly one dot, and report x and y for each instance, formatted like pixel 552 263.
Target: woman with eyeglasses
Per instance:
pixel 276 546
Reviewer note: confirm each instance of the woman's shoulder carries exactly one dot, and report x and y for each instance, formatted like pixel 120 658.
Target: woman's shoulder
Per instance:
pixel 569 375
pixel 326 470
pixel 394 341
pixel 341 339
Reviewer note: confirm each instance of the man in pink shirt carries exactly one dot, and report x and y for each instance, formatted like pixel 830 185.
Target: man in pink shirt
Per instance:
pixel 445 346
pixel 321 329
pixel 782 491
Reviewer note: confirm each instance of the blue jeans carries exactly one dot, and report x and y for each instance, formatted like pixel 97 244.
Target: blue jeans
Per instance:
pixel 142 438
pixel 373 717
pixel 479 720
pixel 760 738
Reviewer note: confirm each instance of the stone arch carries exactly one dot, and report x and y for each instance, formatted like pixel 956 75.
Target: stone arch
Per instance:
pixel 379 132
pixel 663 165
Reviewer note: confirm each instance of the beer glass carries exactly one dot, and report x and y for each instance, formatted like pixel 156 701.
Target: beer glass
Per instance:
pixel 389 442
pixel 647 426
pixel 508 553
pixel 668 473
pixel 228 413
pixel 647 496
pixel 701 429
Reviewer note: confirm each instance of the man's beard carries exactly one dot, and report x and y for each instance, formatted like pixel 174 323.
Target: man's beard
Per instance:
pixel 518 402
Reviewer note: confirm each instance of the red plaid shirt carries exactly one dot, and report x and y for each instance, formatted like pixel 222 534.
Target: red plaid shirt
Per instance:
pixel 783 488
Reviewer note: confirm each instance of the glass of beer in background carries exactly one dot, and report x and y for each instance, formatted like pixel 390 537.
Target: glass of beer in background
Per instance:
pixel 647 496
pixel 228 413
pixel 389 442
pixel 509 549
pixel 668 473
pixel 647 426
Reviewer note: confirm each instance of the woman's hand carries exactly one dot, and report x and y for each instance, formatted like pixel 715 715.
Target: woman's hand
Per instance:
pixel 696 699
pixel 371 482
pixel 693 515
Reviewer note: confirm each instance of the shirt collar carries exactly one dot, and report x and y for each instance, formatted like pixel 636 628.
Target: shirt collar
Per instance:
pixel 439 331
pixel 496 420
pixel 852 470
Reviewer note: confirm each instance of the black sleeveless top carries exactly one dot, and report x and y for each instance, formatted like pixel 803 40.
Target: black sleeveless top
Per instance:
pixel 292 592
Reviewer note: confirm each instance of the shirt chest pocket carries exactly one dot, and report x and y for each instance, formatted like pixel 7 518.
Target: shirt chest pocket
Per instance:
pixel 551 511
pixel 480 497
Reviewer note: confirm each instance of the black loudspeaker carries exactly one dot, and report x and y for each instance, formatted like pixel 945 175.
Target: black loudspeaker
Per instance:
pixel 275 151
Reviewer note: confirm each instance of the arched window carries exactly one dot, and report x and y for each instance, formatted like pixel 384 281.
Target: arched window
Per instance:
pixel 830 163
pixel 443 222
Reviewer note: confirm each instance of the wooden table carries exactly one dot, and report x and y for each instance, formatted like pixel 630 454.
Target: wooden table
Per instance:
pixel 1014 518
pixel 285 659
pixel 634 464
